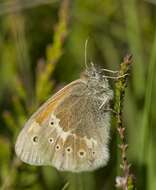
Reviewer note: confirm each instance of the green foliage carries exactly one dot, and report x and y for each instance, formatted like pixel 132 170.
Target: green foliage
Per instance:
pixel 42 47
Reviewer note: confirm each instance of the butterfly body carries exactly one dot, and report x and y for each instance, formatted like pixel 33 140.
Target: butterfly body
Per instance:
pixel 71 130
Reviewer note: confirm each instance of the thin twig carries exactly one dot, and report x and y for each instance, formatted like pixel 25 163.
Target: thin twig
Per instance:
pixel 124 182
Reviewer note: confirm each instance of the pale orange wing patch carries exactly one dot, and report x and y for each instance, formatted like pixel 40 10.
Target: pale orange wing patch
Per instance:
pixel 54 101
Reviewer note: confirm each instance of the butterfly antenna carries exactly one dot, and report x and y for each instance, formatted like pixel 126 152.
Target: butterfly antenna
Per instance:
pixel 86 44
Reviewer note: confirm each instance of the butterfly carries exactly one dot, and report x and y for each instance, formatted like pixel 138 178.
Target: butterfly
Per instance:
pixel 70 131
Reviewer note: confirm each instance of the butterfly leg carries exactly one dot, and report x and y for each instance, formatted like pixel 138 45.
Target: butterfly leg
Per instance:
pixel 111 110
pixel 104 101
pixel 116 77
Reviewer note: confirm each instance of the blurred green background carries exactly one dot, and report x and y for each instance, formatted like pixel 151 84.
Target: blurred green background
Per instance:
pixel 42 49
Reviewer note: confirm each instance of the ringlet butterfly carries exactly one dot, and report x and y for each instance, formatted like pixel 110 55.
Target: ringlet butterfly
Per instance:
pixel 70 131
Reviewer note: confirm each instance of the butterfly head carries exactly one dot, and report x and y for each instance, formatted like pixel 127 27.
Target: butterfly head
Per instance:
pixel 96 78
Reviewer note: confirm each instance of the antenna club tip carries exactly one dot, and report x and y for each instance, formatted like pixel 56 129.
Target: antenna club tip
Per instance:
pixel 128 59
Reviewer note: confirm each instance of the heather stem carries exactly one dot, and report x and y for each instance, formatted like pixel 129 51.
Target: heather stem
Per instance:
pixel 125 181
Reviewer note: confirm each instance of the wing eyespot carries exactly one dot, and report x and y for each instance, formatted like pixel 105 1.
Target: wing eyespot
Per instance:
pixel 57 147
pixel 52 123
pixel 81 153
pixel 68 150
pixel 51 140
pixel 35 139
pixel 93 152
pixel 53 120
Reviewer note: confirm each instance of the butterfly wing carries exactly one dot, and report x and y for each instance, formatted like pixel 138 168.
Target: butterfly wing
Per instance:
pixel 69 131
pixel 29 147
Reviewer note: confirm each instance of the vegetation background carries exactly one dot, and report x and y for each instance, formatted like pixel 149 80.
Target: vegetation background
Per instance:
pixel 42 49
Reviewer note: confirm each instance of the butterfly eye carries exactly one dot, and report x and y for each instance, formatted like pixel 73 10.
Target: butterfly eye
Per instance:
pixel 51 140
pixel 81 153
pixel 35 139
pixel 69 149
pixel 57 147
